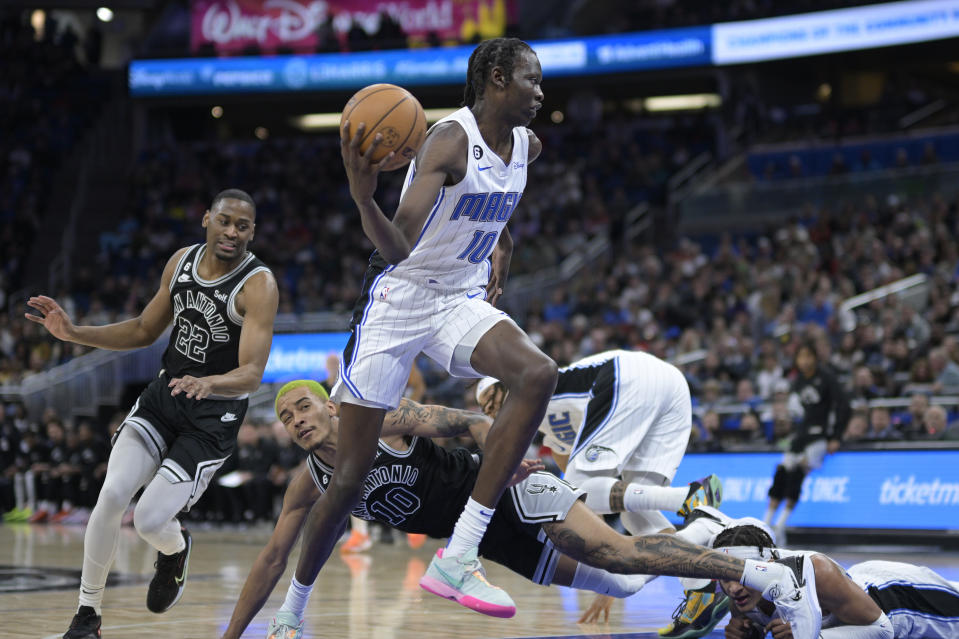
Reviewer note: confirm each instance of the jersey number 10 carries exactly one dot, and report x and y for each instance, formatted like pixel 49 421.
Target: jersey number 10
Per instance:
pixel 479 247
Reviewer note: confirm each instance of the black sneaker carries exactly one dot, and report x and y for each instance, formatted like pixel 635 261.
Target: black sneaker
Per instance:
pixel 170 578
pixel 697 614
pixel 85 625
pixel 707 491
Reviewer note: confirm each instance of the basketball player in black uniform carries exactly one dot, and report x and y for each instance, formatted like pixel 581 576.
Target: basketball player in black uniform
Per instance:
pixel 541 529
pixel 826 412
pixel 222 301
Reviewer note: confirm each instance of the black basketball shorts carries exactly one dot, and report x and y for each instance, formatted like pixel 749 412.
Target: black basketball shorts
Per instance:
pixel 515 537
pixel 189 438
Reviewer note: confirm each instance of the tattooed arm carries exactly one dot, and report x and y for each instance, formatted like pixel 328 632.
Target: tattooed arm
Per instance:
pixel 411 418
pixel 585 537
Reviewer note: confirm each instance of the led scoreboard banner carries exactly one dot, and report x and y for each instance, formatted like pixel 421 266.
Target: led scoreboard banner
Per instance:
pixel 749 41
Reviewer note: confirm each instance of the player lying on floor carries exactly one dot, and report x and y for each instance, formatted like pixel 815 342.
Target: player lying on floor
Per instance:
pixel 872 600
pixel 417 486
pixel 618 423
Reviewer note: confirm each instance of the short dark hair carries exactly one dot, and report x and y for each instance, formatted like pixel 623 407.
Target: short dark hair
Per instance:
pixel 496 52
pixel 810 346
pixel 233 194
pixel 745 535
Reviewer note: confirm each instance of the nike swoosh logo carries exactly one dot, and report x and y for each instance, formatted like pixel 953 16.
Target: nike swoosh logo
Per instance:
pixel 455 581
pixel 483 168
pixel 476 295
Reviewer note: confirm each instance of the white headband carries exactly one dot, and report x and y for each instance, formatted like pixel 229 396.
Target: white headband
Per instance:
pixel 747 552
pixel 743 521
pixel 482 385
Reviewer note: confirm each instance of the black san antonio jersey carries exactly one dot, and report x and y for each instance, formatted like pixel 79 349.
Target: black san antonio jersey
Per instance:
pixel 420 490
pixel 206 326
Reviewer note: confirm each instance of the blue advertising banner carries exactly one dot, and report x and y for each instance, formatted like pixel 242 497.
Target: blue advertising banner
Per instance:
pixel 881 489
pixel 302 355
pixel 795 36
pixel 605 54
pixel 868 27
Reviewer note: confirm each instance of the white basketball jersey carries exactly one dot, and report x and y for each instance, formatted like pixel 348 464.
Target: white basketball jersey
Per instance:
pixel 464 225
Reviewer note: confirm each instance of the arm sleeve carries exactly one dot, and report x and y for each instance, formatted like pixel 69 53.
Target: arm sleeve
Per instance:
pixel 881 628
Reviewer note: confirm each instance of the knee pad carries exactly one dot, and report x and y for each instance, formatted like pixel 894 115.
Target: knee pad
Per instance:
pixel 780 482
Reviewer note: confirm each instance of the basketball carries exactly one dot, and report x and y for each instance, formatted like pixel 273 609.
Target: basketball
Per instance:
pixel 392 112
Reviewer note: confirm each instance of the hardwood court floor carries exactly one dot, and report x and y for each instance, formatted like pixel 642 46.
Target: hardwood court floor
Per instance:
pixel 373 596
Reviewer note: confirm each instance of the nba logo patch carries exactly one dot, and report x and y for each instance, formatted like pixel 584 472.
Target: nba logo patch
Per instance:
pixel 384 292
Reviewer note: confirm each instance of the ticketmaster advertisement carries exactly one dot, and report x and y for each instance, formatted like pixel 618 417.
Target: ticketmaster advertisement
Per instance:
pixel 302 355
pixel 916 490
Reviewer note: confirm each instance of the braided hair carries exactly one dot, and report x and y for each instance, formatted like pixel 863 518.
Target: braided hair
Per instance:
pixel 745 535
pixel 496 52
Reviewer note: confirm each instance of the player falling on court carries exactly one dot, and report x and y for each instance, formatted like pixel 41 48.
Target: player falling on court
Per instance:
pixel 438 268
pixel 542 530
pixel 222 301
pixel 870 600
pixel 618 424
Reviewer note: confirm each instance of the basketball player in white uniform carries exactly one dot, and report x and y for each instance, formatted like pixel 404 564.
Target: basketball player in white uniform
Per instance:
pixel 618 424
pixel 872 600
pixel 439 266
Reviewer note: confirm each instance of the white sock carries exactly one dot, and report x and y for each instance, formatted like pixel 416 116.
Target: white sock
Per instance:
pixel 760 574
pixel 607 583
pixel 31 488
pixel 470 528
pixel 768 517
pixel 639 497
pixel 296 598
pixel 783 516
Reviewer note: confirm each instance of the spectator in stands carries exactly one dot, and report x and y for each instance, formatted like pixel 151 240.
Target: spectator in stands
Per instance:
pixel 769 376
pixel 880 424
pixel 914 419
pixel 751 428
pixel 934 424
pixel 710 432
pixel 864 387
pixel 945 370
pixel 857 430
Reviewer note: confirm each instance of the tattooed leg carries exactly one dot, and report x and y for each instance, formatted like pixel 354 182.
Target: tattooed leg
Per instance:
pixel 584 536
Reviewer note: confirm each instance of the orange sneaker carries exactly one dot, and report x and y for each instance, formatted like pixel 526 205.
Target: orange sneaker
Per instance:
pixel 358 542
pixel 415 540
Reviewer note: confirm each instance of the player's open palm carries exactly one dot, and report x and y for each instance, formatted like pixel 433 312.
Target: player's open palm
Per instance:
pixel 598 611
pixel 361 171
pixel 52 316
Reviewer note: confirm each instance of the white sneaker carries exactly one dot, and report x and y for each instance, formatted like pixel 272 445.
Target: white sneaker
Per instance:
pixel 285 625
pixel 794 595
pixel 462 579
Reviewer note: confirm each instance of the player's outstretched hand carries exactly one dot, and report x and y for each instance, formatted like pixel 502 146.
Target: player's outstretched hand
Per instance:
pixel 599 608
pixel 194 387
pixel 779 629
pixel 526 468
pixel 360 168
pixel 742 628
pixel 52 316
